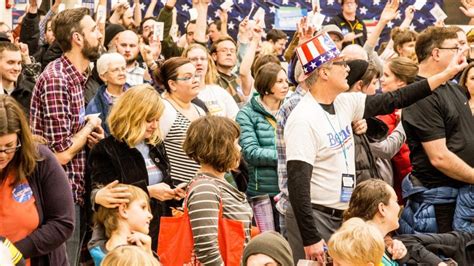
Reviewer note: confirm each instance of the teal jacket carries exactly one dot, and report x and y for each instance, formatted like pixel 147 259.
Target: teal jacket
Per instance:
pixel 258 142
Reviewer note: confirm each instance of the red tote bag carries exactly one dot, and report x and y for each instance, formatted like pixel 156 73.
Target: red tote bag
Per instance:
pixel 176 244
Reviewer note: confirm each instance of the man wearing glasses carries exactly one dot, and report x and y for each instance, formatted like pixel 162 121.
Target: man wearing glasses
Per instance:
pixel 440 135
pixel 320 145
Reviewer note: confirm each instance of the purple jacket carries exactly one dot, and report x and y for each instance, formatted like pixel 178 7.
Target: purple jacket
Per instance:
pixel 53 195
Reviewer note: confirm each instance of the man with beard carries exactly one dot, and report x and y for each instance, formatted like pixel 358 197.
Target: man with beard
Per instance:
pixel 57 106
pixel 127 46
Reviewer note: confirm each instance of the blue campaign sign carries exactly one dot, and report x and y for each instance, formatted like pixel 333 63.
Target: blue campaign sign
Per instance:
pixel 286 18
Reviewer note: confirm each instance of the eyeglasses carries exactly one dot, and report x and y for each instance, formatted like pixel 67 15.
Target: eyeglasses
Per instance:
pixel 190 78
pixel 116 70
pixel 340 63
pixel 450 48
pixel 11 150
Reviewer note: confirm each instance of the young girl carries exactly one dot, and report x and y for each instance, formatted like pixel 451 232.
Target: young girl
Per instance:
pixel 127 224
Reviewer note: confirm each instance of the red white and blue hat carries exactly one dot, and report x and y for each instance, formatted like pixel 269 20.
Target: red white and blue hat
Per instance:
pixel 316 51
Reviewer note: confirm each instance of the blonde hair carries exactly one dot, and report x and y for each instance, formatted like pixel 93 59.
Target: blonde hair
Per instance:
pixel 357 242
pixel 129 256
pixel 211 74
pixel 128 117
pixel 109 217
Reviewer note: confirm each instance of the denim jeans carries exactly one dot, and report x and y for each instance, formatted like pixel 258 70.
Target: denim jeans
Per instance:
pixel 73 243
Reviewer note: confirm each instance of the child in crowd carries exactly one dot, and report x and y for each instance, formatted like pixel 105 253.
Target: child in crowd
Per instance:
pixel 356 243
pixel 128 224
pixel 129 256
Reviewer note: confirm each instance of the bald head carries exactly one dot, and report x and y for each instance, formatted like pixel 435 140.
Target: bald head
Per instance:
pixel 127 46
pixel 354 51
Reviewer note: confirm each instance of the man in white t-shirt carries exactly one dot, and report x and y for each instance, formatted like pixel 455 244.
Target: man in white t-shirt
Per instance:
pixel 320 145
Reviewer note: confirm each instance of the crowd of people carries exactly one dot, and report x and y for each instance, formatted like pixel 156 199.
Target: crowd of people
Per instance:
pixel 270 149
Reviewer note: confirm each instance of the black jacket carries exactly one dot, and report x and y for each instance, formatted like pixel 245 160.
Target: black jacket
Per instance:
pixel 346 27
pixel 111 160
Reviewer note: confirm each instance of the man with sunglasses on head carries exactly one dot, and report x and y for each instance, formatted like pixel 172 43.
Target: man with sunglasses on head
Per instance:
pixel 320 144
pixel 440 135
pixel 57 110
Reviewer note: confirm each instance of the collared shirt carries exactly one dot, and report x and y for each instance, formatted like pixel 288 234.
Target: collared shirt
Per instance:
pixel 57 114
pixel 135 75
pixel 230 84
pixel 281 117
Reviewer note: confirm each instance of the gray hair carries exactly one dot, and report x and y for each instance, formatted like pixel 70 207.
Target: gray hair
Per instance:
pixel 106 59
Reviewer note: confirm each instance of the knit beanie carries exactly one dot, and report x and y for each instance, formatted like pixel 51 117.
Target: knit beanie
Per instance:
pixel 358 69
pixel 111 31
pixel 271 244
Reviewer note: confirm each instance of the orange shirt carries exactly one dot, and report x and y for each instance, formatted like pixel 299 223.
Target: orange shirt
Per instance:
pixel 18 214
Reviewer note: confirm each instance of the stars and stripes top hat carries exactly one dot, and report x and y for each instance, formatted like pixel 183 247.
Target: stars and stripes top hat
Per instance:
pixel 316 51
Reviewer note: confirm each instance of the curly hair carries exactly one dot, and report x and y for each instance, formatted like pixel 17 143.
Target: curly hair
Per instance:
pixel 365 199
pixel 211 140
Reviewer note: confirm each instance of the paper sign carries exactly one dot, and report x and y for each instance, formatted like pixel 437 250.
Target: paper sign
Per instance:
pixel 260 15
pixel 307 263
pixel 315 3
pixel 61 7
pixel 101 13
pixel 419 4
pixel 316 20
pixel 227 5
pixel 438 13
pixel 158 31
pixel 77 5
pixel 193 14
pixel 174 31
pixel 286 18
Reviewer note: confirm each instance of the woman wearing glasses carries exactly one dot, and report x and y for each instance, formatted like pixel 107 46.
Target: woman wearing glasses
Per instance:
pixel 111 68
pixel 36 207
pixel 182 85
pixel 217 100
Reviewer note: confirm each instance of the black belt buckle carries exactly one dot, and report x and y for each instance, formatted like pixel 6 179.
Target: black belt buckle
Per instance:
pixel 333 212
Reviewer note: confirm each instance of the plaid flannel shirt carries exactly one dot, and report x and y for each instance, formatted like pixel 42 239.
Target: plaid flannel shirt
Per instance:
pixel 57 114
pixel 281 117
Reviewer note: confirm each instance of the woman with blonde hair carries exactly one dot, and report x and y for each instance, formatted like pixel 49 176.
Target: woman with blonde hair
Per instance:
pixel 36 206
pixel 134 154
pixel 217 100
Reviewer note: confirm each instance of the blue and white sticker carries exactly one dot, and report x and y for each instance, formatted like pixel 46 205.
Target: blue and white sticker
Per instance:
pixel 22 193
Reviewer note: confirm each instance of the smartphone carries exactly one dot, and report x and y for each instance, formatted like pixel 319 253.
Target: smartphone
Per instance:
pixel 183 185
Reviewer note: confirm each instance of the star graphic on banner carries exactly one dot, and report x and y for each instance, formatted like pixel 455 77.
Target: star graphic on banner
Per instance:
pixel 284 2
pixel 330 2
pixel 390 24
pixel 231 25
pixel 322 59
pixel 272 9
pixel 239 18
pixel 313 65
pixel 421 20
pixel 241 1
pixel 142 6
pixel 412 27
pixel 216 13
pixel 398 17
pixel 376 2
pixel 185 7
pixel 363 10
pixel 210 20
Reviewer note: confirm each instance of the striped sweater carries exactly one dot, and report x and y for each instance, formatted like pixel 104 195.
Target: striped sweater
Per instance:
pixel 203 206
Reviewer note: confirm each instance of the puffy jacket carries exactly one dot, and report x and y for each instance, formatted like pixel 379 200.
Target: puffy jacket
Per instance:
pixel 99 104
pixel 464 214
pixel 258 142
pixel 419 214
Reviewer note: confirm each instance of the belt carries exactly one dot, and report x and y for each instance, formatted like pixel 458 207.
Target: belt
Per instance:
pixel 333 212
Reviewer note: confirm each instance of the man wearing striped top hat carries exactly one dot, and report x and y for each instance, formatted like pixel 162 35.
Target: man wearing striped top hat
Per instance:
pixel 320 144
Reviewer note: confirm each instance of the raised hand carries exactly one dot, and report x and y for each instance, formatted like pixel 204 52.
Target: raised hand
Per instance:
pixel 390 11
pixel 467 8
pixel 305 30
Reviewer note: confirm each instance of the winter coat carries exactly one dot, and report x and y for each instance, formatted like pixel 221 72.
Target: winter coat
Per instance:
pixel 258 142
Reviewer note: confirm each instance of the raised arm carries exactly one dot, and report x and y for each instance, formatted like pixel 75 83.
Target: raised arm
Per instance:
pixel 150 9
pixel 246 65
pixel 137 12
pixel 201 21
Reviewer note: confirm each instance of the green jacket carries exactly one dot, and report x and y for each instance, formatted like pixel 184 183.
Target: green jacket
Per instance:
pixel 168 47
pixel 258 142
